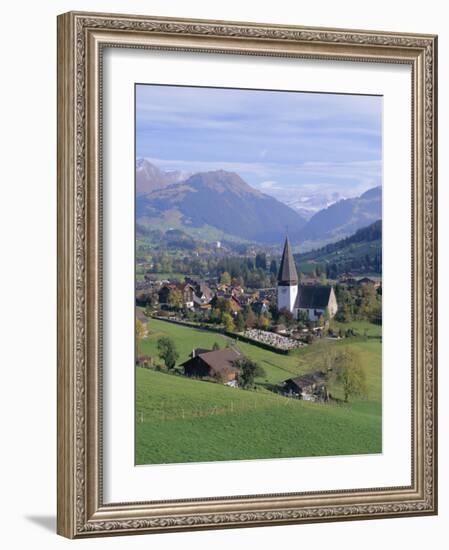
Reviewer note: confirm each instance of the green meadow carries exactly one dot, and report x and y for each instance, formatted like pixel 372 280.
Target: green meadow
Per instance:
pixel 184 420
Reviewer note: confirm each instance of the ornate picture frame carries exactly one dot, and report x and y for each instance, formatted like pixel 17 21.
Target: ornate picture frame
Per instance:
pixel 82 38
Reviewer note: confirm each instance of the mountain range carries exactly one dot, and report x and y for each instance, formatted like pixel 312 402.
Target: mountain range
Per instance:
pixel 223 201
pixel 149 177
pixel 344 217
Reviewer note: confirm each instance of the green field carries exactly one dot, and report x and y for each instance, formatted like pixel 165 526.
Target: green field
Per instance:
pixel 183 420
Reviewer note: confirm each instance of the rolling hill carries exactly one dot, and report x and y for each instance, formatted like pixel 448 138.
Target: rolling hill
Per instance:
pixel 360 253
pixel 196 421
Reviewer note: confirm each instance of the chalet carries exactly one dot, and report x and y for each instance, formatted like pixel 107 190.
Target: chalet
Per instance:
pixel 187 291
pixel 314 300
pixel 237 290
pixel 234 303
pixel 188 294
pixel 217 364
pixel 309 387
pixel 203 294
pixel 164 293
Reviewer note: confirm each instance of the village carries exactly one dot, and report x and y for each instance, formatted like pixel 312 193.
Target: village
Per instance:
pixel 289 316
pixel 258 298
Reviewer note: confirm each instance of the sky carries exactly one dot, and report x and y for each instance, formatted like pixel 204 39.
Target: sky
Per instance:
pixel 286 144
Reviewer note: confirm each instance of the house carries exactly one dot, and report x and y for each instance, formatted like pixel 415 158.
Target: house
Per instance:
pixel 164 293
pixel 314 300
pixel 187 291
pixel 203 294
pixel 234 303
pixel 188 294
pixel 217 364
pixel 237 290
pixel 309 387
pixel 261 307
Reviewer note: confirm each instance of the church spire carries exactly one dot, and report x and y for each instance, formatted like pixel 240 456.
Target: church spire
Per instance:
pixel 287 271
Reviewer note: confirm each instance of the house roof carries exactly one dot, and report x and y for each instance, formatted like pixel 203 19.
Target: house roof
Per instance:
pixel 313 296
pixel 199 351
pixel 287 269
pixel 203 289
pixel 259 307
pixel 220 360
pixel 309 379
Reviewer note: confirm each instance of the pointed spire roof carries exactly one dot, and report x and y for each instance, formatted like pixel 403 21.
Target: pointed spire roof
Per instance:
pixel 287 270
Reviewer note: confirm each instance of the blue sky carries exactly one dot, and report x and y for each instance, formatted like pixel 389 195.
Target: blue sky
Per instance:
pixel 283 143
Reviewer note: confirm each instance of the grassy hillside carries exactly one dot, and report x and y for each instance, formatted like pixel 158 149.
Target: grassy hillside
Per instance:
pixel 361 252
pixel 183 420
pixel 193 421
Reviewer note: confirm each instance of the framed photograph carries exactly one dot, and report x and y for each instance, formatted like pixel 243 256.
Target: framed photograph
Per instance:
pixel 246 274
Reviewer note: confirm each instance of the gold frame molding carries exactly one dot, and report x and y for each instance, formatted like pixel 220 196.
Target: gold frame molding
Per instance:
pixel 81 38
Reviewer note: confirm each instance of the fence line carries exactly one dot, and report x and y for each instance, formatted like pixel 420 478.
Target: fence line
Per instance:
pixel 232 407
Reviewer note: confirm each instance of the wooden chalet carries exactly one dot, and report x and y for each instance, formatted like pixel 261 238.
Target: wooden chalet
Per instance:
pixel 218 364
pixel 310 387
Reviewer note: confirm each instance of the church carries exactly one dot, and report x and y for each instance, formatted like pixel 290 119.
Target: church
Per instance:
pixel 314 300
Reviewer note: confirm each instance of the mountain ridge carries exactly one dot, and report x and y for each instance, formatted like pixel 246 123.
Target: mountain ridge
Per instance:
pixel 345 216
pixel 192 200
pixel 244 211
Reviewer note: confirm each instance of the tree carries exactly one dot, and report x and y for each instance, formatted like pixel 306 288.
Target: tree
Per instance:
pixel 263 322
pixel 225 278
pixel 140 333
pixel 261 261
pixel 215 315
pixel 240 322
pixel 167 351
pixel 350 373
pixel 303 317
pixel 274 267
pixel 216 346
pixel 250 317
pixel 249 370
pixel 286 317
pixel 175 298
pixel 228 322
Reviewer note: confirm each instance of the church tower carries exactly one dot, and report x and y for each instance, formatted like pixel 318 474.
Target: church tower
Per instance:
pixel 287 289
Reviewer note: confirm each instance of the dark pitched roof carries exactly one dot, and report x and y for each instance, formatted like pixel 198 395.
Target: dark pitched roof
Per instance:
pixel 287 269
pixel 220 360
pixel 199 351
pixel 203 289
pixel 312 296
pixel 309 379
pixel 259 307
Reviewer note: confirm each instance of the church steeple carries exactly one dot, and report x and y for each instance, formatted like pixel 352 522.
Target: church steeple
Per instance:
pixel 287 275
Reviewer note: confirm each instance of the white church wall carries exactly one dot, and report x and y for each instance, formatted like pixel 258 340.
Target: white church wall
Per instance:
pixel 287 297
